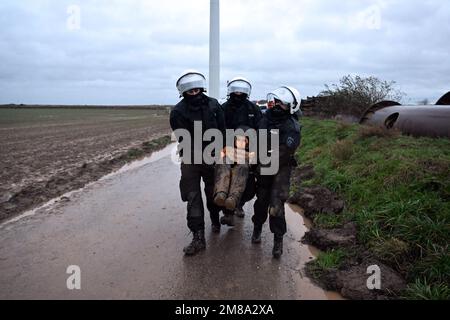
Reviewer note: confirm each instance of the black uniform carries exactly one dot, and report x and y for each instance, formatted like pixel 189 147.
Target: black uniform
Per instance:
pixel 272 191
pixel 240 112
pixel 182 116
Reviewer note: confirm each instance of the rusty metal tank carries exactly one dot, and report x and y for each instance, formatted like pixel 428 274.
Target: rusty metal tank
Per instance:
pixel 416 120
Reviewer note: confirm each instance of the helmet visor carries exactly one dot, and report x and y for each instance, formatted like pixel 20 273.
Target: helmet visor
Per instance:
pixel 239 86
pixel 191 81
pixel 273 100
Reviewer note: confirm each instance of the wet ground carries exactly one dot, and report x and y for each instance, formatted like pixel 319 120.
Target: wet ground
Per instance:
pixel 126 233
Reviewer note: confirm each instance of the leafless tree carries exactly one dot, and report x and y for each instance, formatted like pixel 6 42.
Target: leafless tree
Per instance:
pixel 354 94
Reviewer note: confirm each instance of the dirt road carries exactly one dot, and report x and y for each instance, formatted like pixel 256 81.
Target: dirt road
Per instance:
pixel 126 233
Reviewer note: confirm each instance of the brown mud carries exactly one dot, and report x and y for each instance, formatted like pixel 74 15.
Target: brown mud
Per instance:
pixel 48 152
pixel 350 278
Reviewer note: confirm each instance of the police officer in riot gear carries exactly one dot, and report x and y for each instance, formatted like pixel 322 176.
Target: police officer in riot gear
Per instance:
pixel 196 106
pixel 272 191
pixel 238 109
pixel 240 112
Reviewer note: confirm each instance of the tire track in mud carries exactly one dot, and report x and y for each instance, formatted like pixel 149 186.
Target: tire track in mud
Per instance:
pixel 57 151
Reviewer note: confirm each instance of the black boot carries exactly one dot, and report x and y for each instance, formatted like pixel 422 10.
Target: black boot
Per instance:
pixel 198 243
pixel 215 228
pixel 277 246
pixel 256 236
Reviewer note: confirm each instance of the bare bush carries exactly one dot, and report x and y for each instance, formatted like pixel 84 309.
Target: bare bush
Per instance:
pixel 354 94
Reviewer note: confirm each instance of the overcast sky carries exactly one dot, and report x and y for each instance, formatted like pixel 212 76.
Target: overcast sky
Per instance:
pixel 132 51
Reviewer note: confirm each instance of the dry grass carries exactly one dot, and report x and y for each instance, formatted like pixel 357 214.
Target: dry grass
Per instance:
pixel 376 131
pixel 342 150
pixel 402 175
pixel 316 151
pixel 343 126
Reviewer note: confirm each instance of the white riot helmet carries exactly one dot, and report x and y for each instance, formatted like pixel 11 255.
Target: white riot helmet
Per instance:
pixel 190 79
pixel 288 95
pixel 239 84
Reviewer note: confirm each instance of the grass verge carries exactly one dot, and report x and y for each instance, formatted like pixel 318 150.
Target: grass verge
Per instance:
pixel 397 190
pixel 327 260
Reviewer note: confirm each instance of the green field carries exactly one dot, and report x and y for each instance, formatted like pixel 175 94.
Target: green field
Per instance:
pixel 397 190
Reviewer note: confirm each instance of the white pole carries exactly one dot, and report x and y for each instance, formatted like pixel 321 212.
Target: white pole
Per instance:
pixel 214 49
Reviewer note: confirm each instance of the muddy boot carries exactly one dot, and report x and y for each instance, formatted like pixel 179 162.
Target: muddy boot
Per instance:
pixel 219 199
pixel 256 236
pixel 238 182
pixel 239 212
pixel 277 246
pixel 231 203
pixel 215 228
pixel 198 243
pixel 228 220
pixel 221 183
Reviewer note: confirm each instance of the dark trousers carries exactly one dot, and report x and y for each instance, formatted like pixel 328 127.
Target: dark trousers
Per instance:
pixel 191 176
pixel 271 195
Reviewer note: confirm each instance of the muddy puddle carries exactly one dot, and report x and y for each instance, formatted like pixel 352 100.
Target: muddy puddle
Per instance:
pixel 298 224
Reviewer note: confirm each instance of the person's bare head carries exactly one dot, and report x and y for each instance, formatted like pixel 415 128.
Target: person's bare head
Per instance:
pixel 241 142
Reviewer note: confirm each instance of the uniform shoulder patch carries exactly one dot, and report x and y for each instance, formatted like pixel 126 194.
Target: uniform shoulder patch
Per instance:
pixel 290 142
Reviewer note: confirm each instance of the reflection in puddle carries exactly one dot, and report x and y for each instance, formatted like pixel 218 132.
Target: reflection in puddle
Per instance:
pixel 298 224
